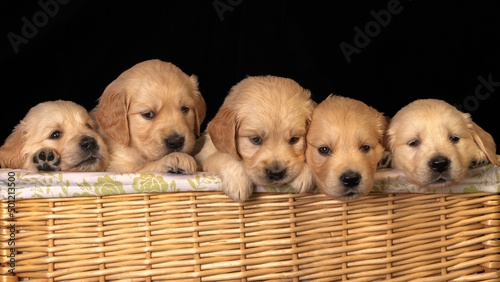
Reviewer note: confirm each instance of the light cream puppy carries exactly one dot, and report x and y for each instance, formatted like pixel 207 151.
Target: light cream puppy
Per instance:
pixel 434 144
pixel 258 137
pixel 55 136
pixel 344 146
pixel 150 117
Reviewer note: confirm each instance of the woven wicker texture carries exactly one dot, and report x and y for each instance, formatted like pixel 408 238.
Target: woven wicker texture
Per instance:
pixel 204 236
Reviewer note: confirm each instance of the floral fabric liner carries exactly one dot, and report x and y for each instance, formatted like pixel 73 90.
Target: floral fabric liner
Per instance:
pixel 26 184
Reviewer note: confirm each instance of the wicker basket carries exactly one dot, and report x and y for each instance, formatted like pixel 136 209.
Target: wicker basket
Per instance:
pixel 204 236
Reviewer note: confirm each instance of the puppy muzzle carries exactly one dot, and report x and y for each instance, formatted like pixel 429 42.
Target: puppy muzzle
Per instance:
pixel 89 144
pixel 439 171
pixel 439 164
pixel 174 143
pixel 90 155
pixel 275 174
pixel 350 181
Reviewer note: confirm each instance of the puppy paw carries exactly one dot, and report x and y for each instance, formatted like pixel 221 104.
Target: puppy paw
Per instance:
pixel 179 163
pixel 46 160
pixel 238 189
pixel 475 163
pixel 386 160
pixel 480 160
pixel 304 182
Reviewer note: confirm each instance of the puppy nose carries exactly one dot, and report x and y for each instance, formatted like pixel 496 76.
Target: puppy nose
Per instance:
pixel 89 144
pixel 439 164
pixel 174 142
pixel 350 179
pixel 275 174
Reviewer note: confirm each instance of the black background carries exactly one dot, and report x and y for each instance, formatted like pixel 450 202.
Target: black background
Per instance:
pixel 429 49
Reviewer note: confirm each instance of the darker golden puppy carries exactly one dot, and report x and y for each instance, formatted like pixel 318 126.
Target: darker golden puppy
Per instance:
pixel 55 136
pixel 150 117
pixel 434 144
pixel 344 146
pixel 258 137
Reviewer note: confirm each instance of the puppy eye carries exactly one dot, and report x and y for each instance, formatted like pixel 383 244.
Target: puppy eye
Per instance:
pixel 294 140
pixel 365 148
pixel 256 140
pixel 324 151
pixel 454 139
pixel 414 143
pixel 88 126
pixel 55 135
pixel 184 109
pixel 148 115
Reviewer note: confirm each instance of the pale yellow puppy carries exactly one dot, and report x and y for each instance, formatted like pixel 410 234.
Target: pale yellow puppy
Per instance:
pixel 55 136
pixel 258 137
pixel 150 117
pixel 434 144
pixel 344 146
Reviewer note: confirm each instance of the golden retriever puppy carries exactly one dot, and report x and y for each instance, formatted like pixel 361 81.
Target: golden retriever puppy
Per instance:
pixel 150 117
pixel 434 144
pixel 55 136
pixel 344 146
pixel 258 137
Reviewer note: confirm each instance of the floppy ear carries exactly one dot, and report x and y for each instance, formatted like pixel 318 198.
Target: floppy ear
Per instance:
pixel 382 123
pixel 112 113
pixel 388 139
pixel 10 152
pixel 311 106
pixel 200 108
pixel 222 131
pixel 485 142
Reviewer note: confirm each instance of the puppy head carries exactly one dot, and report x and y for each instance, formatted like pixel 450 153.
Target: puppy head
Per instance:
pixel 434 144
pixel 62 126
pixel 263 122
pixel 344 146
pixel 153 107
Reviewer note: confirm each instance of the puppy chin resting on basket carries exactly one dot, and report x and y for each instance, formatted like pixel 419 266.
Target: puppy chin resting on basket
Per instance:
pixel 344 147
pixel 435 144
pixel 258 137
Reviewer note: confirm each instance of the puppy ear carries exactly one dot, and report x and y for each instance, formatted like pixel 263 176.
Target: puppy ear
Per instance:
pixel 200 108
pixel 112 113
pixel 382 123
pixel 388 139
pixel 222 131
pixel 311 105
pixel 485 142
pixel 10 152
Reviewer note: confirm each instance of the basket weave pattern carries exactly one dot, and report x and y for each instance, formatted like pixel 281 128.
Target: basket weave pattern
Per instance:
pixel 204 236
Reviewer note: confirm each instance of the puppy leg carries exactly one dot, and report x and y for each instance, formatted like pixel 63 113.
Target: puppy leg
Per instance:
pixel 234 180
pixel 45 160
pixel 386 160
pixel 304 182
pixel 179 163
pixel 480 159
pixel 235 184
pixel 172 163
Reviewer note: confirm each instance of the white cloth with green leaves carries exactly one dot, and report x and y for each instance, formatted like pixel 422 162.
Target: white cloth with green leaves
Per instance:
pixel 26 185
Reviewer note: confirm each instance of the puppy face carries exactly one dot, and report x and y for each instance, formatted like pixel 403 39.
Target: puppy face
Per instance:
pixel 263 122
pixel 153 108
pixel 344 146
pixel 62 127
pixel 434 144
